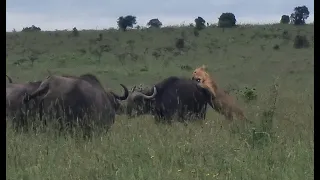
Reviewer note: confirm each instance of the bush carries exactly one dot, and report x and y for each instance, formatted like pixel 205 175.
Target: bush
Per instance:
pixel 301 42
pixel 180 43
pixel 276 47
pixel 227 20
pixel 285 19
pixel 75 32
pixel 286 35
pixel 200 23
pixel 125 22
pixel 249 94
pixel 156 23
pixel 33 28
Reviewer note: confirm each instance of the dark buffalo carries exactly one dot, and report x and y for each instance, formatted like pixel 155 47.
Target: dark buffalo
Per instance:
pixel 138 104
pixel 15 93
pixel 185 97
pixel 78 98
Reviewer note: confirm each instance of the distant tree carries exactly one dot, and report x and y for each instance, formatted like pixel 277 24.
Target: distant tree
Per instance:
pixel 227 20
pixel 200 23
pixel 154 23
pixel 75 32
pixel 125 22
pixel 299 16
pixel 285 19
pixel 33 28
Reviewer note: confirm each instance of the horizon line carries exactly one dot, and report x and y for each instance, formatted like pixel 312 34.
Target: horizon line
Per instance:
pixel 138 27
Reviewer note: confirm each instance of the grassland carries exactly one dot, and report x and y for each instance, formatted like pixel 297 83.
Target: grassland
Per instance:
pixel 278 145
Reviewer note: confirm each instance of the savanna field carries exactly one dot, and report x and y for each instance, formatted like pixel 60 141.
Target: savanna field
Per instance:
pixel 271 79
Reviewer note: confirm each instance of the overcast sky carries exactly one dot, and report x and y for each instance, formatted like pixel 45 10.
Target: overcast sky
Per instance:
pixel 99 14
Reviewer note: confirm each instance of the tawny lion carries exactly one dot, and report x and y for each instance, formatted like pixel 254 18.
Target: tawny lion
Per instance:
pixel 223 102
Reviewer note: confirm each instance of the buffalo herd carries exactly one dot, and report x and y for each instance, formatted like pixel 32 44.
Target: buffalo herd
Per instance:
pixel 84 100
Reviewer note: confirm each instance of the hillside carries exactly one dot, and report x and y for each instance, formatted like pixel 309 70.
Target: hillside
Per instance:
pixel 261 57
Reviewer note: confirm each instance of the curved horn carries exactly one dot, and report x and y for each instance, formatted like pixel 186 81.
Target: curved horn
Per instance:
pixel 134 88
pixel 9 79
pixel 146 96
pixel 125 96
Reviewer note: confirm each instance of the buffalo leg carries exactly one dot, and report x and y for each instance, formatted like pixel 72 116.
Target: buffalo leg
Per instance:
pixel 159 117
pixel 41 102
pixel 129 111
pixel 180 114
pixel 204 112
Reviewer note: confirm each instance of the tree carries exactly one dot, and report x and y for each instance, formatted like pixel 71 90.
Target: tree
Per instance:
pixel 154 23
pixel 227 20
pixel 285 19
pixel 33 28
pixel 75 32
pixel 125 22
pixel 200 23
pixel 299 16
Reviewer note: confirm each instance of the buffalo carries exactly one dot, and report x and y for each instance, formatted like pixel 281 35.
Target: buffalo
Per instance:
pixel 175 95
pixel 15 93
pixel 137 103
pixel 78 98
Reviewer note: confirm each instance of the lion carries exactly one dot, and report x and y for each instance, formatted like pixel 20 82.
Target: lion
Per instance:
pixel 223 103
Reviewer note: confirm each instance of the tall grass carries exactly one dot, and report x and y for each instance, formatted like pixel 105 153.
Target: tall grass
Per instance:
pixel 277 145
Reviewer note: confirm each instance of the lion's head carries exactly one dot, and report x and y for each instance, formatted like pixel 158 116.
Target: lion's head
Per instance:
pixel 201 75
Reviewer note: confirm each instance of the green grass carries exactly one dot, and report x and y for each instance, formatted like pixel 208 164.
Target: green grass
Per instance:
pixel 278 145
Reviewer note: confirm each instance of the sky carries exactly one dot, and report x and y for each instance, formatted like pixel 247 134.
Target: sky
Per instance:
pixel 102 14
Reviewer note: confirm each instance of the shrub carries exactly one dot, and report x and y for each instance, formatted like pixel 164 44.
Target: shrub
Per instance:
pixel 276 47
pixel 227 20
pixel 200 23
pixel 285 19
pixel 125 22
pixel 180 43
pixel 75 32
pixel 154 23
pixel 301 41
pixel 33 28
pixel 249 94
